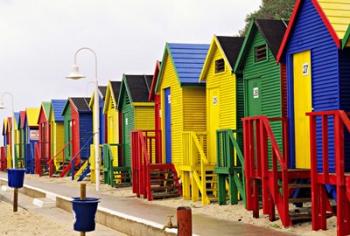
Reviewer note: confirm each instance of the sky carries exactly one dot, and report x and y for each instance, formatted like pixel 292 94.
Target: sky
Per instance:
pixel 39 38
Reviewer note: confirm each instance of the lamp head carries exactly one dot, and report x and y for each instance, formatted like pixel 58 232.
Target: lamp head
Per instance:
pixel 75 74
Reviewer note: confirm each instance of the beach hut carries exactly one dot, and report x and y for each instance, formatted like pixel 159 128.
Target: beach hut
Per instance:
pixel 44 153
pixel 32 137
pixel 77 132
pixel 183 115
pixel 315 50
pixel 3 160
pixel 22 135
pixel 57 143
pixel 8 137
pixel 89 166
pixel 136 111
pixel 113 131
pixel 18 158
pixel 154 96
pixel 224 108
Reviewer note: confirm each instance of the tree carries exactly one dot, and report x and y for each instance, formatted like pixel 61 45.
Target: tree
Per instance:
pixel 271 9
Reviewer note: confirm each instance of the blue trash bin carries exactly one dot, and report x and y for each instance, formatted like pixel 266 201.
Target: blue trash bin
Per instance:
pixel 15 177
pixel 84 212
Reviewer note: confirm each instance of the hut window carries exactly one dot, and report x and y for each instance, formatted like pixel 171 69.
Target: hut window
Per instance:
pixel 219 65
pixel 260 53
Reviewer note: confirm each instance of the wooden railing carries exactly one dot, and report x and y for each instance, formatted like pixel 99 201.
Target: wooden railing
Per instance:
pixel 193 156
pixel 330 130
pixel 230 161
pixel 258 138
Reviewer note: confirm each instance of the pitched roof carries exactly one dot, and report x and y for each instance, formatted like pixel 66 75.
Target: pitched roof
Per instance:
pixel 138 87
pixel 57 109
pixel 102 90
pixel 16 119
pixel 115 85
pixel 4 126
pixel 32 116
pixel 22 116
pixel 188 61
pixel 231 47
pixel 334 14
pixel 81 103
pixel 154 81
pixel 271 30
pixel 338 14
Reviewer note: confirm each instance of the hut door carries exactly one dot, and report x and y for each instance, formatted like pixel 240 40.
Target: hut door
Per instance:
pixel 214 119
pixel 254 96
pixel 127 119
pixel 302 104
pixel 167 104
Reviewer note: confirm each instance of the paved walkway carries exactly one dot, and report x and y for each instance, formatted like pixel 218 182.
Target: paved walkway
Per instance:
pixel 202 225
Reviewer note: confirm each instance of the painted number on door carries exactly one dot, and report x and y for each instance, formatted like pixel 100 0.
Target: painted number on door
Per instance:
pixel 306 69
pixel 126 121
pixel 255 92
pixel 215 100
pixel 169 99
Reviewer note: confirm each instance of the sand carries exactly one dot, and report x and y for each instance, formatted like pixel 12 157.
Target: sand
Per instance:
pixel 26 223
pixel 235 213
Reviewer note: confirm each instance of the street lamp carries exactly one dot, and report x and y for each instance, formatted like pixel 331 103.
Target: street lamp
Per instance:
pixel 75 75
pixel 2 107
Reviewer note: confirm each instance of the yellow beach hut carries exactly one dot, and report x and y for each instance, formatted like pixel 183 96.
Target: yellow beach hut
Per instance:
pixel 183 117
pixel 224 101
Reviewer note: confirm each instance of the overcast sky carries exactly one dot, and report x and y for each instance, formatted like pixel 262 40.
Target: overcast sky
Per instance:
pixel 39 37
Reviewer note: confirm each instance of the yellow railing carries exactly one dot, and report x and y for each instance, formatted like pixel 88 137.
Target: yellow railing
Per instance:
pixel 194 160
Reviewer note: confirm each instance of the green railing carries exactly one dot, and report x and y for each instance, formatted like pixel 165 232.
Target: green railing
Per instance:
pixel 229 166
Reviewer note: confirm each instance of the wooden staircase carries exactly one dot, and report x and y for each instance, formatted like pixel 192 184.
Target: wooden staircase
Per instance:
pixel 151 178
pixel 329 137
pixel 229 167
pixel 280 187
pixel 197 174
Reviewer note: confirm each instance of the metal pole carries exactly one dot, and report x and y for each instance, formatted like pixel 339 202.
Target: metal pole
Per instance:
pixel 96 119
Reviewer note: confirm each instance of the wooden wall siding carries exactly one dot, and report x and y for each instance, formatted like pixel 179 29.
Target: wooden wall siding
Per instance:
pixel 75 134
pixel 85 134
pixel 57 142
pixel 194 114
pixel 128 109
pixel 309 33
pixel 113 129
pixel 225 83
pixel 67 132
pixel 170 80
pixel 270 74
pixel 144 117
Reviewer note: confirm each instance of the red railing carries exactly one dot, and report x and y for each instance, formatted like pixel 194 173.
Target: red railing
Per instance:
pixel 51 164
pixel 338 176
pixel 146 150
pixel 258 138
pixel 3 160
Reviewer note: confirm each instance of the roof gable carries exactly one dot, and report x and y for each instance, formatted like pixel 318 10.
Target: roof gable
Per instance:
pixel 32 115
pixel 22 117
pixel 4 126
pixel 16 121
pixel 81 104
pixel 45 109
pixel 188 61
pixel 229 48
pixel 152 90
pixel 57 109
pixel 271 30
pixel 101 94
pixel 325 20
pixel 112 94
pixel 136 88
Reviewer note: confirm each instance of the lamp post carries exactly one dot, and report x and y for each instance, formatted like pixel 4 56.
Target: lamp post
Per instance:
pixel 75 75
pixel 2 106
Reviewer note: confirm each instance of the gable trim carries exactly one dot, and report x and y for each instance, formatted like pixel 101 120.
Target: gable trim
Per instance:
pixel 292 22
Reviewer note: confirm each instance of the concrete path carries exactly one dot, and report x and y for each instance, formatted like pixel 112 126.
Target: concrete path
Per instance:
pixel 202 225
pixel 46 208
